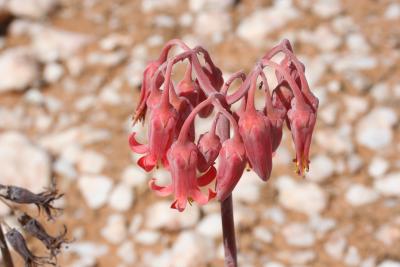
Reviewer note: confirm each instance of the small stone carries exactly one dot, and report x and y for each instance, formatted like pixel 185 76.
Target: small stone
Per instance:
pixel 245 217
pixel 321 168
pixel 356 42
pixel 358 195
pixel 53 44
pixel 326 8
pixel 302 197
pixel 22 163
pixel 389 263
pixel 161 216
pixel 115 230
pixel 335 246
pixel 374 130
pixel 88 249
pixel 147 237
pixel 95 189
pixel 186 19
pixel 381 92
pixel 164 21
pixel 354 163
pixel 275 214
pixel 121 197
pixel 388 234
pixel 388 185
pixel 135 223
pixel 134 176
pixel 248 188
pixel 53 72
pixel 263 234
pixel 393 11
pixel 340 140
pixel 35 9
pixel 355 106
pixel 298 235
pixel 127 253
pixel 354 62
pixel 34 96
pixel 107 59
pixel 369 262
pixel 252 29
pixel 297 257
pixel 322 225
pixel 352 257
pixel 114 41
pixel 201 5
pixel 91 162
pixel 198 250
pixel 212 24
pixel 210 226
pixel 329 113
pixel 273 264
pixel 154 5
pixel 18 69
pixel 65 168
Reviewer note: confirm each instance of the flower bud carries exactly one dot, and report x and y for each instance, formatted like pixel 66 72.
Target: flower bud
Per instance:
pixel 209 146
pixel 232 162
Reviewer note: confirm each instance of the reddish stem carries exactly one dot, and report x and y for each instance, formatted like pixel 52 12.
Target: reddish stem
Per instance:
pixel 228 225
pixel 239 74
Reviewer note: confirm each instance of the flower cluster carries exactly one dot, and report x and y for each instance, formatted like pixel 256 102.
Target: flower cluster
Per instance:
pixel 11 195
pixel 172 109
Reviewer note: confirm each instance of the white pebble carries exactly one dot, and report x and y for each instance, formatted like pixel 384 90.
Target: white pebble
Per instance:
pixel 358 195
pixel 321 168
pixel 389 185
pixel 210 226
pixel 302 197
pixel 95 189
pixel 121 197
pixel 53 72
pixel 147 237
pixel 115 230
pixel 91 162
pixel 298 235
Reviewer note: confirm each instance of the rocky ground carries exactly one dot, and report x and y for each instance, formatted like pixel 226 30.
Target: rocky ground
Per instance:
pixel 70 72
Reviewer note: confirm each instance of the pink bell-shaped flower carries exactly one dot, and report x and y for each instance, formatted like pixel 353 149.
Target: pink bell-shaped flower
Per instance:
pixel 255 130
pixel 148 74
pixel 182 158
pixel 302 121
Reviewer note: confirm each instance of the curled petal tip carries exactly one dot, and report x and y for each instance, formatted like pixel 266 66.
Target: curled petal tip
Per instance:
pixel 147 163
pixel 208 177
pixel 160 190
pixel 136 146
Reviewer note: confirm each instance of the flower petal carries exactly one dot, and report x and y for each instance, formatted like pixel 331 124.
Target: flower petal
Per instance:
pixel 162 191
pixel 136 146
pixel 147 163
pixel 202 199
pixel 207 177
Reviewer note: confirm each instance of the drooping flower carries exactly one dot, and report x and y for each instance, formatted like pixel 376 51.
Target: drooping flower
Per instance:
pixel 209 146
pixel 182 158
pixel 232 162
pixel 148 74
pixel 302 121
pixel 161 134
pixel 255 130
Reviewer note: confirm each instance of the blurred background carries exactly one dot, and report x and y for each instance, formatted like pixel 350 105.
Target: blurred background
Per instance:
pixel 70 73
